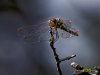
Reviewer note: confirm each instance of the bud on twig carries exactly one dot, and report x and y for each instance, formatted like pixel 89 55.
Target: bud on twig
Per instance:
pixel 67 58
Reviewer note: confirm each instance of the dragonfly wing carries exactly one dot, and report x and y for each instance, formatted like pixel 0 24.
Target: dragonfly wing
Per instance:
pixel 64 34
pixel 67 24
pixel 56 35
pixel 74 30
pixel 33 33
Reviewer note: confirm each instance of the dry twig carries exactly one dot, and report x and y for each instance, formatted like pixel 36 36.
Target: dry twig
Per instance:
pixel 58 60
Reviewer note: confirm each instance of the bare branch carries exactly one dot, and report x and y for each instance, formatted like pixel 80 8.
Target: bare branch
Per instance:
pixel 55 54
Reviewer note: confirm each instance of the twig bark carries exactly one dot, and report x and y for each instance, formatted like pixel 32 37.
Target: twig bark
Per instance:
pixel 55 53
pixel 58 60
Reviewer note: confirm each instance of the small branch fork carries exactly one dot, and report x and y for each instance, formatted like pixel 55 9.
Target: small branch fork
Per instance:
pixel 58 60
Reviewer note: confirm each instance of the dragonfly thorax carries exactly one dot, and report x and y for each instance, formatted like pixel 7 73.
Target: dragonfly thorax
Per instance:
pixel 55 23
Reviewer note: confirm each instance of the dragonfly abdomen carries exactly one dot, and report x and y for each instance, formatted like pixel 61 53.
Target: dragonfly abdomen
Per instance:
pixel 69 31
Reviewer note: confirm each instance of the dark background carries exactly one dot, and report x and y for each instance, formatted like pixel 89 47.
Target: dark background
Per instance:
pixel 20 58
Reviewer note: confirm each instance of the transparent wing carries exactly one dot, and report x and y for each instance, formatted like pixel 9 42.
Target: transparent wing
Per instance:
pixel 40 32
pixel 67 25
pixel 34 33
pixel 56 35
pixel 74 30
pixel 64 34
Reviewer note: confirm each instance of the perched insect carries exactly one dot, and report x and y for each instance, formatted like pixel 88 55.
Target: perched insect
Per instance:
pixel 59 27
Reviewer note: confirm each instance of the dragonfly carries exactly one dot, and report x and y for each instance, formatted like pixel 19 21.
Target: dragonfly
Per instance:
pixel 58 26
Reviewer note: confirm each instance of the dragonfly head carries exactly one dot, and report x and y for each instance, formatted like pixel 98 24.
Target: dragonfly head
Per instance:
pixel 55 23
pixel 51 23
